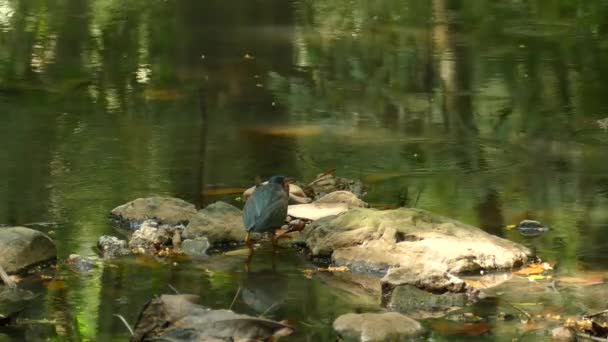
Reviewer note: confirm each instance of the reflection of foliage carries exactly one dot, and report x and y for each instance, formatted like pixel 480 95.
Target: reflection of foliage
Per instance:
pixel 102 98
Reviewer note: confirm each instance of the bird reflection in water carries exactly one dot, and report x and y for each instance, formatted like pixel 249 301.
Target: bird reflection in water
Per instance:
pixel 264 291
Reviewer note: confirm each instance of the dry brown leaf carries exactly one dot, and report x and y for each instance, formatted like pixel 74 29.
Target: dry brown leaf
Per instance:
pixel 530 270
pixel 470 329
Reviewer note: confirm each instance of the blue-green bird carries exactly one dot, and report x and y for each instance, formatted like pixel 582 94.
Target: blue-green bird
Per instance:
pixel 266 209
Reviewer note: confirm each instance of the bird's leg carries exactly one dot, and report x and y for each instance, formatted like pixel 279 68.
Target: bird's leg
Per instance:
pixel 248 261
pixel 248 242
pixel 274 242
pixel 297 227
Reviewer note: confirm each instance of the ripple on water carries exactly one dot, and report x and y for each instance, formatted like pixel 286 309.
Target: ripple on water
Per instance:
pixel 592 136
pixel 398 157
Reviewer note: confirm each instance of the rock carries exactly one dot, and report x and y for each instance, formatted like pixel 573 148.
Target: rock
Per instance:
pixel 196 247
pixel 315 211
pixel 410 299
pixel 373 240
pixel 79 263
pixel 531 228
pixel 562 334
pixel 179 318
pixel 12 302
pixel 343 196
pixel 112 247
pixel 21 248
pixel 165 210
pixel 219 222
pixel 327 183
pixel 368 327
pixel 426 276
pixel 150 237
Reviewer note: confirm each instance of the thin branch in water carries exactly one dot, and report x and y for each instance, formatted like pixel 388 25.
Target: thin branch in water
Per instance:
pixel 173 288
pixel 236 295
pixel 269 308
pixel 124 321
pixel 6 279
pixel 596 314
pixel 592 338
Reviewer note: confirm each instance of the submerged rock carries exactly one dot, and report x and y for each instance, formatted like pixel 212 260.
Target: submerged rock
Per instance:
pixel 196 247
pixel 21 248
pixel 79 263
pixel 410 299
pixel 373 240
pixel 180 318
pixel 165 210
pixel 219 222
pixel 371 327
pixel 12 302
pixel 111 247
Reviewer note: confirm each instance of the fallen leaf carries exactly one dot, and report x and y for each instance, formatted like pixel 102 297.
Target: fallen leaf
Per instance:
pixel 511 226
pixel 451 328
pixel 530 270
pixel 536 277
pixel 336 269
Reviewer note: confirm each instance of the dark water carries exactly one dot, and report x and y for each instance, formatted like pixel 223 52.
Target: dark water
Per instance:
pixel 489 112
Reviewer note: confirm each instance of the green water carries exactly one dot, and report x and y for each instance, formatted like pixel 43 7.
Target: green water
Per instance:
pixel 486 111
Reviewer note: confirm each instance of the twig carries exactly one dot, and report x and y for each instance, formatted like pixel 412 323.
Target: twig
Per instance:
pixel 6 279
pixel 596 314
pixel 518 309
pixel 592 338
pixel 269 308
pixel 173 288
pixel 236 295
pixel 124 321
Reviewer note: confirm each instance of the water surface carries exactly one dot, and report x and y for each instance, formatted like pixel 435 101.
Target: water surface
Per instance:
pixel 489 113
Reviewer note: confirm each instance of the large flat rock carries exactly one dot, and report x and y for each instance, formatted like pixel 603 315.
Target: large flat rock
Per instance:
pixel 22 247
pixel 165 210
pixel 374 240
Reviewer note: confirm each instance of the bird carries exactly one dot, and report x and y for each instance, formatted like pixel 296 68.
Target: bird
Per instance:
pixel 266 209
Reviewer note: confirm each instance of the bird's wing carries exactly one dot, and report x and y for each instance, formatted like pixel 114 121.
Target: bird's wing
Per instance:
pixel 266 207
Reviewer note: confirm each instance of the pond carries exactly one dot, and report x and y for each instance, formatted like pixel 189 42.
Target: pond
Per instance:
pixel 486 112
